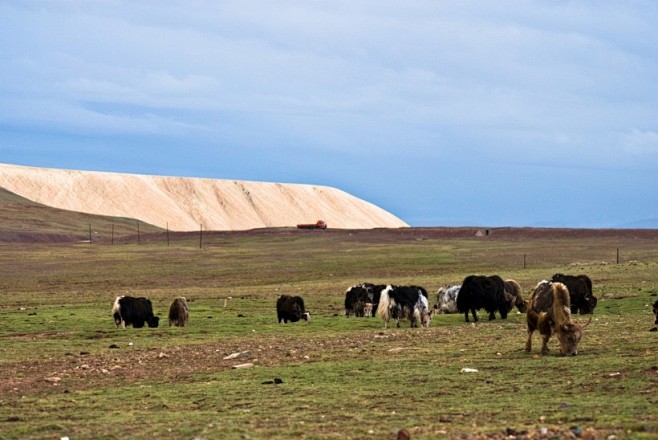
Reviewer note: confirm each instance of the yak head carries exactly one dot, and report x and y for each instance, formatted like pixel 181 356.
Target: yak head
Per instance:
pixel 117 319
pixel 521 304
pixel 569 336
pixel 425 318
pixel 306 316
pixel 588 305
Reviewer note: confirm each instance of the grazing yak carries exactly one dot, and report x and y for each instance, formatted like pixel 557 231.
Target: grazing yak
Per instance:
pixel 580 292
pixel 446 299
pixel 514 296
pixel 291 308
pixel 357 299
pixel 128 310
pixel 655 311
pixel 404 302
pixel 178 312
pixel 363 299
pixel 549 311
pixel 482 292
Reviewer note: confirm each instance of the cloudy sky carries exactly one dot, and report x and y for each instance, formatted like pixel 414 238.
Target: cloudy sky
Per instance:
pixel 445 113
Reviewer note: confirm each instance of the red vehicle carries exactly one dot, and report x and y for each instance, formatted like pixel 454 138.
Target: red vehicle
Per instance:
pixel 320 224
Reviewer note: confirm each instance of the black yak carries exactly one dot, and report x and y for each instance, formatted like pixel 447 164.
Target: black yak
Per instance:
pixel 128 310
pixel 580 292
pixel 482 292
pixel 291 308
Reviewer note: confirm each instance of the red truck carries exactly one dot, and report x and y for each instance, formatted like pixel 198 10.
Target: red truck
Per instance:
pixel 320 224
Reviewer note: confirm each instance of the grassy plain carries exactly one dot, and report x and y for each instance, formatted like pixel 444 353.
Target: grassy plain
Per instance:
pixel 67 371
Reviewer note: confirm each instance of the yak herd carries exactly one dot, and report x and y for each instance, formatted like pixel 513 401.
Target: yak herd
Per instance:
pixel 548 309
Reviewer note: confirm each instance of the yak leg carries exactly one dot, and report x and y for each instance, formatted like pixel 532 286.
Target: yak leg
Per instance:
pixel 544 343
pixel 528 342
pixel 492 316
pixel 475 316
pixel 466 315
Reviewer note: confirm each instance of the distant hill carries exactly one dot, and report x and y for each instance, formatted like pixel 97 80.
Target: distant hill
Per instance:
pixel 22 220
pixel 649 223
pixel 185 204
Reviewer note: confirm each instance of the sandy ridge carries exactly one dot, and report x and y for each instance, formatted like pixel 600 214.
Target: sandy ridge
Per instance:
pixel 183 204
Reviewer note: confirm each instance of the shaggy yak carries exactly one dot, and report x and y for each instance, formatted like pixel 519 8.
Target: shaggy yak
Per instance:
pixel 655 311
pixel 549 311
pixel 357 299
pixel 580 292
pixel 128 310
pixel 482 292
pixel 291 308
pixel 404 302
pixel 514 296
pixel 446 298
pixel 178 312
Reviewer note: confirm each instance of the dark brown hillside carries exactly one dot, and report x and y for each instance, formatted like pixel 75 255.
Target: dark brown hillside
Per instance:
pixel 22 220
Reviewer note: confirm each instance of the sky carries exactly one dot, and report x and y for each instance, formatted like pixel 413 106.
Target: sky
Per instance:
pixel 444 113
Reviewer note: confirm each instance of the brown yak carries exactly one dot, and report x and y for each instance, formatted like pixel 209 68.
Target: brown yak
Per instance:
pixel 549 311
pixel 178 312
pixel 514 296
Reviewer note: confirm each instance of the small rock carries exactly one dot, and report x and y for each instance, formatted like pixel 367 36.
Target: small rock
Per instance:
pixel 469 370
pixel 114 346
pixel 245 365
pixel 162 355
pixel 84 353
pixel 54 380
pixel 277 380
pixel 239 354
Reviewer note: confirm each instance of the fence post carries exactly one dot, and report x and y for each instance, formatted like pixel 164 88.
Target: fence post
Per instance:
pixel 617 255
pixel 139 241
pixel 201 236
pixel 167 234
pixel 524 261
pixel 112 233
pixel 89 232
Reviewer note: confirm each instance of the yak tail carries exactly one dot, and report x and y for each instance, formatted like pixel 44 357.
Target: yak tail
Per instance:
pixel 561 304
pixel 384 308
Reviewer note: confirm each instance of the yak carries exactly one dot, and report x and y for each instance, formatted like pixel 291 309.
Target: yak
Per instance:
pixel 128 310
pixel 404 302
pixel 514 296
pixel 178 312
pixel 446 298
pixel 291 308
pixel 549 311
pixel 482 292
pixel 357 298
pixel 580 292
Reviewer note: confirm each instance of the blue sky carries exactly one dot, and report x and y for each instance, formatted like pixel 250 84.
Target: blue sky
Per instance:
pixel 445 113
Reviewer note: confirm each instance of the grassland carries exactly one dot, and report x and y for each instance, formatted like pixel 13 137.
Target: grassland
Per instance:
pixel 67 371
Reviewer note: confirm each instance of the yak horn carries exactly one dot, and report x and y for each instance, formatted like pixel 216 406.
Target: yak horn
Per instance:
pixel 587 323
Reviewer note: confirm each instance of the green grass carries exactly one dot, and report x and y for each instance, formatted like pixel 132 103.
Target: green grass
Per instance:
pixel 341 377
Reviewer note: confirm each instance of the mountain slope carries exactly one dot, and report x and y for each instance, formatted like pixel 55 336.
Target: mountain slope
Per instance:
pixel 183 204
pixel 22 220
